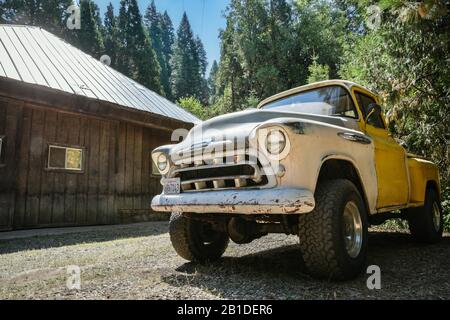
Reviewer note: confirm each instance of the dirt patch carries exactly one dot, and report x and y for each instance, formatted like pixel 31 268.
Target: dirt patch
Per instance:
pixel 138 262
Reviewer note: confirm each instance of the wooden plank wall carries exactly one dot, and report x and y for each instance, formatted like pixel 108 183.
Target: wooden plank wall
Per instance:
pixel 10 113
pixel 116 185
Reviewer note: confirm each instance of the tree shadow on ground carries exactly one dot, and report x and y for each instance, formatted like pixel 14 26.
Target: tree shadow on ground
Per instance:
pixel 100 234
pixel 280 273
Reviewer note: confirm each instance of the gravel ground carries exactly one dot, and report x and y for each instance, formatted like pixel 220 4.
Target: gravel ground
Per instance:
pixel 138 262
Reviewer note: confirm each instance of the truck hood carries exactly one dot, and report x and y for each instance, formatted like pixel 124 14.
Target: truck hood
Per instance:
pixel 238 125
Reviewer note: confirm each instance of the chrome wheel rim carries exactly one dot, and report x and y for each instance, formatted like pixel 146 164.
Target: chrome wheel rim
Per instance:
pixel 352 229
pixel 436 217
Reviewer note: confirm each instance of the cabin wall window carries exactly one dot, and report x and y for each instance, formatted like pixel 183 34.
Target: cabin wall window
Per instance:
pixel 65 158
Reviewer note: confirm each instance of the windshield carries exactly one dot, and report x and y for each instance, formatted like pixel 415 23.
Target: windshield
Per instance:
pixel 329 101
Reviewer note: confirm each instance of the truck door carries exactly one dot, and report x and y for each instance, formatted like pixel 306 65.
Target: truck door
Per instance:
pixel 390 159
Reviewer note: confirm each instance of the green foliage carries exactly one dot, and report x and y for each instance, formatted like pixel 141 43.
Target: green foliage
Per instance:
pixel 252 101
pixel 318 72
pixel 396 224
pixel 49 14
pixel 268 46
pixel 188 64
pixel 194 106
pixel 167 41
pixel 446 206
pixel 223 103
pixel 201 63
pixel 89 38
pixel 212 81
pixel 407 62
pixel 111 33
pixel 137 56
pixel 156 28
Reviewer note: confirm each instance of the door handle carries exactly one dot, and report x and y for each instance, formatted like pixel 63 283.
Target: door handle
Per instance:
pixel 354 137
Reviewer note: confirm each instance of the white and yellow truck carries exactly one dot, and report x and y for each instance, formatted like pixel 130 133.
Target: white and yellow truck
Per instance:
pixel 315 161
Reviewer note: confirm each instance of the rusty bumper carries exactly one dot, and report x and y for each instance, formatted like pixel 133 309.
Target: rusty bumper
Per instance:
pixel 256 201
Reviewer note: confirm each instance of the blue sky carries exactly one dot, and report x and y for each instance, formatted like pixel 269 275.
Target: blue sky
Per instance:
pixel 205 16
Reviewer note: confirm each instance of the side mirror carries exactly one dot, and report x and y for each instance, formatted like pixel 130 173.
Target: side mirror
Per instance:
pixel 374 110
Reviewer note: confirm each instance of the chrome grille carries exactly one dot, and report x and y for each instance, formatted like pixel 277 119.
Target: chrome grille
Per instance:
pixel 220 174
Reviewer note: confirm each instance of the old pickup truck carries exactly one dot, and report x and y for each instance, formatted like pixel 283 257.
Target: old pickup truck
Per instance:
pixel 315 161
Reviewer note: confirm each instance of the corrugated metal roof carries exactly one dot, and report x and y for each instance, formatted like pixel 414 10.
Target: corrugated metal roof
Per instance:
pixel 33 55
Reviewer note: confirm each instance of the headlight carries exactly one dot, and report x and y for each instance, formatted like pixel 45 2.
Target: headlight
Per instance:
pixel 162 162
pixel 275 142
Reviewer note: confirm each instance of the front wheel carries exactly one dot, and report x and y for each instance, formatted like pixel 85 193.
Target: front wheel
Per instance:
pixel 196 240
pixel 426 223
pixel 334 236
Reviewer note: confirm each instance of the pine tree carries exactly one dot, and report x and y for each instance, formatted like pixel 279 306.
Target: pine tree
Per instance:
pixel 137 58
pixel 88 37
pixel 167 36
pixel 167 41
pixel 212 80
pixel 233 86
pixel 153 23
pixel 188 64
pixel 111 41
pixel 123 61
pixel 201 63
pixel 182 70
pixel 144 57
pixel 98 19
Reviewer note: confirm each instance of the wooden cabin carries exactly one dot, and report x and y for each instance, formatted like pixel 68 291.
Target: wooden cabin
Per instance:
pixel 75 136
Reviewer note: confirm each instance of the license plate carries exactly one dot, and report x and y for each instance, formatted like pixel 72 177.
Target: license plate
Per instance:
pixel 172 186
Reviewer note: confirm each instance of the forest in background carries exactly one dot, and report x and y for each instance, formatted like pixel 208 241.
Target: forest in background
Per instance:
pixel 397 48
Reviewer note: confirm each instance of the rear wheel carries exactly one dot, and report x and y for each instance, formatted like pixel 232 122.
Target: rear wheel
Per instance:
pixel 334 236
pixel 196 240
pixel 426 223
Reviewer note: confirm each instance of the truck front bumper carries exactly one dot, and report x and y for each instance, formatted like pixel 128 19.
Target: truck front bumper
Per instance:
pixel 252 201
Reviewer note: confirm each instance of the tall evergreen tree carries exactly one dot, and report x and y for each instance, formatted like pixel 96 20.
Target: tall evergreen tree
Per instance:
pixel 98 18
pixel 153 23
pixel 187 67
pixel 136 55
pixel 111 34
pixel 212 80
pixel 167 41
pixel 201 63
pixel 242 53
pixel 123 60
pixel 201 55
pixel 168 35
pixel 88 37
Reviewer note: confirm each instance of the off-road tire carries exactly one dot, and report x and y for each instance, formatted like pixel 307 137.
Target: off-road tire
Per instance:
pixel 186 238
pixel 321 239
pixel 420 220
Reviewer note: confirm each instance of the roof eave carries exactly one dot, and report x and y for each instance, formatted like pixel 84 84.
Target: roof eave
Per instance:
pixel 63 101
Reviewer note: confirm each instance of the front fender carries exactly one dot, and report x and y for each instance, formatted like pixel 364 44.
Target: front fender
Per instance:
pixel 312 143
